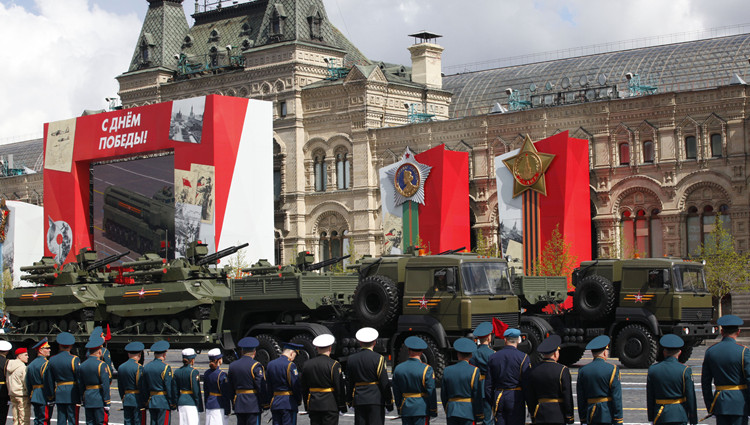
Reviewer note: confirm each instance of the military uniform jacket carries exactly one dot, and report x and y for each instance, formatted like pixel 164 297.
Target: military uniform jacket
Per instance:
pixel 323 385
pixel 247 377
pixel 548 392
pixel 727 365
pixel 61 377
pixel 158 382
pixel 414 389
pixel 462 394
pixel 187 384
pixel 216 390
pixel 599 393
pixel 367 380
pixel 3 380
pixel 35 380
pixel 480 359
pixel 131 384
pixel 283 384
pixel 106 358
pixel 670 393
pixel 93 382
pixel 504 371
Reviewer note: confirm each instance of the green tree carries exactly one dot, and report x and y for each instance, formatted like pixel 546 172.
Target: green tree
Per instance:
pixel 556 258
pixel 484 246
pixel 237 262
pixel 726 269
pixel 7 282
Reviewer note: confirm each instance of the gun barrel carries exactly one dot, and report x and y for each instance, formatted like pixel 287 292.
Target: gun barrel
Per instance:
pixel 149 272
pixel 103 262
pixel 325 263
pixel 259 270
pixel 144 263
pixel 39 269
pixel 42 277
pixel 211 258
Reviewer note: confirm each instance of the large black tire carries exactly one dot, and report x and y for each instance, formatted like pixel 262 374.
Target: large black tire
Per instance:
pixel 268 349
pixel 636 347
pixel 432 356
pixel 684 356
pixel 594 297
pixel 570 355
pixel 307 351
pixel 376 301
pixel 534 337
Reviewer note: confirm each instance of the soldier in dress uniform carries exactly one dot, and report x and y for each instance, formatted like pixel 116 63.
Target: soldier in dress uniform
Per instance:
pixel 35 383
pixel 284 386
pixel 462 392
pixel 368 388
pixel 727 365
pixel 670 393
pixel 5 346
pixel 158 377
pixel 247 378
pixel 483 334
pixel 414 386
pixel 322 383
pixel 598 387
pixel 132 386
pixel 60 381
pixel 502 388
pixel 216 390
pixel 93 383
pixel 106 357
pixel 188 389
pixel 547 387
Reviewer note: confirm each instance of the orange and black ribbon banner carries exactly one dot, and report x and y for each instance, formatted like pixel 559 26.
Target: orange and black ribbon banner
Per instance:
pixel 531 230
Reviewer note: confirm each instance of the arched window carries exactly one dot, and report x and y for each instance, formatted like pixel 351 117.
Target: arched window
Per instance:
pixel 343 170
pixel 319 164
pixel 333 244
pixel 691 149
pixel 315 21
pixel 624 149
pixel 641 234
pixel 716 147
pixel 214 57
pixel 700 224
pixel 648 152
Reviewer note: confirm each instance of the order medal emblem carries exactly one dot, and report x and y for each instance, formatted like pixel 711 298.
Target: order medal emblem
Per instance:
pixel 407 180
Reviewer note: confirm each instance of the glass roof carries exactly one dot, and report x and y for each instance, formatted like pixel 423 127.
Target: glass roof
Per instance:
pixel 676 67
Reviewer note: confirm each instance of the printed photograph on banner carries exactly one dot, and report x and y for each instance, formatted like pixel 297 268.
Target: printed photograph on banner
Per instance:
pixel 393 227
pixel 391 216
pixel 184 186
pixel 6 241
pixel 509 209
pixel 187 224
pixel 186 124
pixel 204 190
pixel 58 154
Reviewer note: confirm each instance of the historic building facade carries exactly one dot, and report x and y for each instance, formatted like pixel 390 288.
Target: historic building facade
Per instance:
pixel 666 154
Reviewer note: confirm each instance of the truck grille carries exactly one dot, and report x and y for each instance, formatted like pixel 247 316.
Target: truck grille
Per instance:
pixel 697 314
pixel 510 319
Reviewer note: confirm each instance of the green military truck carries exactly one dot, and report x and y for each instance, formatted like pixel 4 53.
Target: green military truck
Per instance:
pixel 634 302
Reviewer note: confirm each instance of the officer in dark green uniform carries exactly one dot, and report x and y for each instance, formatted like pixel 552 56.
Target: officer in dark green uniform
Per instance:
pixel 93 383
pixel 132 386
pixel 727 365
pixel 547 387
pixel 483 334
pixel 158 377
pixel 35 383
pixel 60 381
pixel 598 388
pixel 414 386
pixel 670 393
pixel 462 393
pixel 106 357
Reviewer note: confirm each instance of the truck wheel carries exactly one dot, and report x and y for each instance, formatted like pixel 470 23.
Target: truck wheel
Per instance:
pixel 570 355
pixel 685 354
pixel 230 356
pixel 534 338
pixel 636 346
pixel 307 352
pixel 376 301
pixel 268 349
pixel 432 356
pixel 594 297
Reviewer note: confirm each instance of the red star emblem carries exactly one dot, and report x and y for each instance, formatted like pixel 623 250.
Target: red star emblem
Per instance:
pixel 35 295
pixel 423 303
pixel 407 155
pixel 639 297
pixel 142 292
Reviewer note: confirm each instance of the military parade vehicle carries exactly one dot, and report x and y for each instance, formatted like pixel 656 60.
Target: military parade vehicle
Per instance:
pixel 635 302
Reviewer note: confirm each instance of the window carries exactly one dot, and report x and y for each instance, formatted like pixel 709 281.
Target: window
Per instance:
pixel 315 23
pixel 320 171
pixel 343 170
pixel 700 224
pixel 641 234
pixel 214 57
pixel 332 244
pixel 691 149
pixel 214 36
pixel 624 154
pixel 277 23
pixel 145 54
pixel 445 280
pixel 282 109
pixel 246 29
pixel 659 278
pixel 716 145
pixel 648 152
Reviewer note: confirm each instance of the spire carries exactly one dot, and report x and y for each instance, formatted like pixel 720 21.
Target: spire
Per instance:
pixel 161 36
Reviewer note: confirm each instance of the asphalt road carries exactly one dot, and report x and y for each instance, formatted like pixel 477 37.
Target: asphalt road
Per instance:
pixel 633 392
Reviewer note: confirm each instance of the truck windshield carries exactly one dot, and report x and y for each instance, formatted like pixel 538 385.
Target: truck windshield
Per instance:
pixel 689 279
pixel 485 278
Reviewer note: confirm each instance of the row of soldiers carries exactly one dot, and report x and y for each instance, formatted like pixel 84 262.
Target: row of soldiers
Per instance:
pixel 482 387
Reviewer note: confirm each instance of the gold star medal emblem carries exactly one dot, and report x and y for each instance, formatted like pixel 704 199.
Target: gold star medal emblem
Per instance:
pixel 528 168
